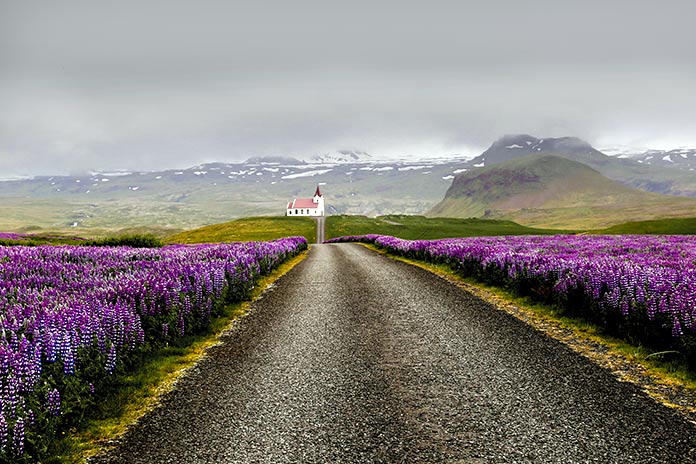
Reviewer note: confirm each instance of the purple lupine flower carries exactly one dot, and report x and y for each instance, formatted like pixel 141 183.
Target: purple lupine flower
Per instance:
pixel 3 432
pixel 620 274
pixel 53 402
pixel 55 301
pixel 111 360
pixel 31 418
pixel 18 437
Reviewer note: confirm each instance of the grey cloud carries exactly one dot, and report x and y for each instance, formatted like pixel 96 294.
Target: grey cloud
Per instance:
pixel 139 85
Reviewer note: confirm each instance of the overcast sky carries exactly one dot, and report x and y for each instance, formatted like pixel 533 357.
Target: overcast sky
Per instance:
pixel 162 84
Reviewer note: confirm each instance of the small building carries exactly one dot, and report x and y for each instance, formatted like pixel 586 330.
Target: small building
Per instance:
pixel 307 206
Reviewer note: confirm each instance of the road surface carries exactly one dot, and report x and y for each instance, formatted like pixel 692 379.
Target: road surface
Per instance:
pixel 353 357
pixel 321 236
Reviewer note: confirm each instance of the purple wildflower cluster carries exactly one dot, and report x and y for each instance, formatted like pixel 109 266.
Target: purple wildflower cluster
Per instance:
pixel 620 278
pixel 64 309
pixel 12 236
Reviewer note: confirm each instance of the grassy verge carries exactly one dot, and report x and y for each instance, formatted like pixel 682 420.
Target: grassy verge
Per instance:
pixel 662 376
pixel 157 376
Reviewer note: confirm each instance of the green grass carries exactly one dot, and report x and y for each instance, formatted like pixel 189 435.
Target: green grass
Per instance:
pixel 402 226
pixel 421 227
pixel 674 226
pixel 139 391
pixel 249 229
pixel 159 232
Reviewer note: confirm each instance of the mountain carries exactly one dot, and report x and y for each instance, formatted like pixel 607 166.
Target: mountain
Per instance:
pixel 273 160
pixel 354 182
pixel 218 192
pixel 682 158
pixel 511 147
pixel 551 191
pixel 342 157
pixel 666 178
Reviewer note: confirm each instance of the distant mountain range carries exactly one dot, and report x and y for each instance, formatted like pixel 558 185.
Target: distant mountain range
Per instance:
pixel 334 157
pixel 342 157
pixel 217 192
pixel 355 182
pixel 683 158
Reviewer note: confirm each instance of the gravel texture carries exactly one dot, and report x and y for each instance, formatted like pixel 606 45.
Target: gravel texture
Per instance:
pixel 354 357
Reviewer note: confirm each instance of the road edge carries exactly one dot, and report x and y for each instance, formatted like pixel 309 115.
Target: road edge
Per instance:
pixel 666 390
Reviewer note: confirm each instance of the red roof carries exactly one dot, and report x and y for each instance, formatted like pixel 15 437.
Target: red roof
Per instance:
pixel 302 203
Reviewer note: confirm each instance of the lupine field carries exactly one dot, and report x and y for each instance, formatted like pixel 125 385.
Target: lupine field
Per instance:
pixel 637 286
pixel 73 319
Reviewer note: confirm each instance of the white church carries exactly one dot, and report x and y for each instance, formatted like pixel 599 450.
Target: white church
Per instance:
pixel 307 206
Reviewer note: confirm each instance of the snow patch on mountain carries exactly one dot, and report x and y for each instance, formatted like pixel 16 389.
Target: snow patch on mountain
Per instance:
pixel 342 157
pixel 680 158
pixel 317 172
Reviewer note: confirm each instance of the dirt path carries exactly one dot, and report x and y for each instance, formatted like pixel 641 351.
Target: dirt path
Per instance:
pixel 354 357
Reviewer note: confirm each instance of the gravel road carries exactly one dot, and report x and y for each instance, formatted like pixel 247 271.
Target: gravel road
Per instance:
pixel 354 357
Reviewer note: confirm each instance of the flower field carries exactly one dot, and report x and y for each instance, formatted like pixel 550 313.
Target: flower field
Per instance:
pixel 638 286
pixel 73 319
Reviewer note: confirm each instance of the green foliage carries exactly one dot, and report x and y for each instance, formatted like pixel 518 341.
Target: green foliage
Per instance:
pixel 133 240
pixel 250 229
pixel 42 239
pixel 421 227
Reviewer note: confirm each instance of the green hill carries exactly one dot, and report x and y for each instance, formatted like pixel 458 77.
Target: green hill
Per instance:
pixel 554 192
pixel 249 229
pixel 408 227
pixel 421 227
pixel 651 177
pixel 675 226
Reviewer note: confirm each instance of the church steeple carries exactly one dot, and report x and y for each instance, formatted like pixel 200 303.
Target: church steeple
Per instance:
pixel 318 192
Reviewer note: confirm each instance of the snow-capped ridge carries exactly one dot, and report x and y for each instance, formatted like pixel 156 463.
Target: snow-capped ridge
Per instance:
pixel 341 157
pixel 679 158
